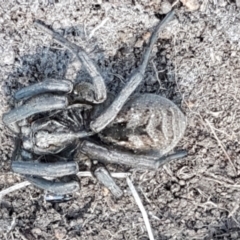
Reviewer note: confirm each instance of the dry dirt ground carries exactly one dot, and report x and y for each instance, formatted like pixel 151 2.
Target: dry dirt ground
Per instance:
pixel 195 63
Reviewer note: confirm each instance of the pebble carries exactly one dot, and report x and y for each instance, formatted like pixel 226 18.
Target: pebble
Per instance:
pixel 165 7
pixel 105 191
pixel 139 43
pixel 191 5
pixel 146 36
pixel 182 183
pixel 60 233
pixel 37 231
pixel 175 188
pixel 8 57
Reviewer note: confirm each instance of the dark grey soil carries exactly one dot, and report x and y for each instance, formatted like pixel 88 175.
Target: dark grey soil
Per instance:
pixel 195 64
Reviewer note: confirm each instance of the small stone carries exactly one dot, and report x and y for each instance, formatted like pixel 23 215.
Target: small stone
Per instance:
pixel 191 5
pixel 88 163
pixel 183 203
pixel 139 43
pixel 175 188
pixel 105 191
pixel 95 162
pixel 8 57
pixel 182 183
pixel 60 233
pixel 56 25
pixel 36 231
pixel 165 7
pixel 146 36
pixel 122 36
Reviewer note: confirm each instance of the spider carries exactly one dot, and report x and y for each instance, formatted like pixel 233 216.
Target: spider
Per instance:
pixel 55 120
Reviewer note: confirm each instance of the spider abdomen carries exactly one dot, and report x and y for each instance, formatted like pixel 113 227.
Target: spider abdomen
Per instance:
pixel 147 123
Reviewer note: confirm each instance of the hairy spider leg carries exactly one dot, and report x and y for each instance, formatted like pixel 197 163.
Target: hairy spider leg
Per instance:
pixel 133 82
pixel 92 69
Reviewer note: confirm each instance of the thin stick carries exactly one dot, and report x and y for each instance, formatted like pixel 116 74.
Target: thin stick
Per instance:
pixel 141 207
pixel 101 24
pixel 221 145
pixel 227 185
pixel 14 188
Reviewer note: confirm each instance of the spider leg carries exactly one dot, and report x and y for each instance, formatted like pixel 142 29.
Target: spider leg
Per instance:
pixel 38 104
pixel 104 177
pixel 59 188
pixel 105 155
pixel 50 85
pixel 98 81
pixel 133 82
pixel 58 169
pixel 168 158
pixel 28 168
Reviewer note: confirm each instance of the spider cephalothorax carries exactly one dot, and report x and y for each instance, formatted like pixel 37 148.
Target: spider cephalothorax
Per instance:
pixel 55 118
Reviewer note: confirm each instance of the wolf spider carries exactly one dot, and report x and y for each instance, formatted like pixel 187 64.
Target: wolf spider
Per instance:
pixel 51 121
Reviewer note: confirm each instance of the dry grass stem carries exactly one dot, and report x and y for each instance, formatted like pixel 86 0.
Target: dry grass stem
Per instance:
pixel 101 24
pixel 227 185
pixel 221 145
pixel 14 188
pixel 141 207
pixel 219 178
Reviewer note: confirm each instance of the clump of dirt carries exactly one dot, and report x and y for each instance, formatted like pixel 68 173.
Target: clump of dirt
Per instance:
pixel 195 64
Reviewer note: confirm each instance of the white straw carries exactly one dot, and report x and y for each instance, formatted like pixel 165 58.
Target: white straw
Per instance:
pixel 141 207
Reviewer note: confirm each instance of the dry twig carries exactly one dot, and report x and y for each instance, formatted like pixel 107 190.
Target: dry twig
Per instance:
pixel 141 207
pixel 98 27
pixel 14 188
pixel 227 185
